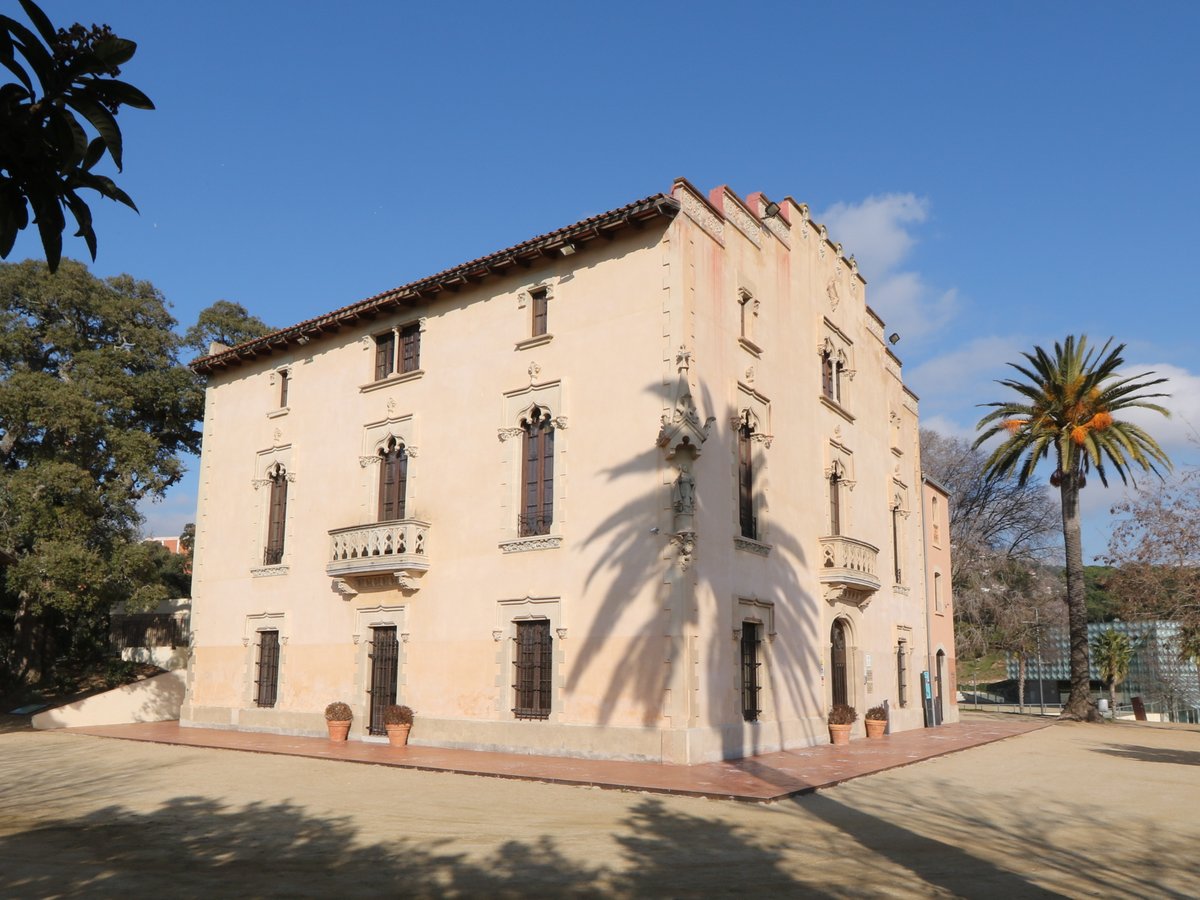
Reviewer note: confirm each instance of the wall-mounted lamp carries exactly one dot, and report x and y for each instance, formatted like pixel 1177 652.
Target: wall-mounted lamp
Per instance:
pixel 894 338
pixel 771 210
pixel 567 249
pixel 303 339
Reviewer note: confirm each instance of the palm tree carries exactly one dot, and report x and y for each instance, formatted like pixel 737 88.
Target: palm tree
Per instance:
pixel 1113 652
pixel 1065 407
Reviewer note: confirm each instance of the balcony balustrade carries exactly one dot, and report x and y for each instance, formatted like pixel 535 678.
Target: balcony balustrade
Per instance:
pixel 848 569
pixel 380 549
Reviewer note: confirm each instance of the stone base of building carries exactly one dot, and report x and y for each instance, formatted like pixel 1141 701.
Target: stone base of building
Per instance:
pixel 582 741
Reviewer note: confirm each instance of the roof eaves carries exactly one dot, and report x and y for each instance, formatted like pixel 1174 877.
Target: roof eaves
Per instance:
pixel 473 271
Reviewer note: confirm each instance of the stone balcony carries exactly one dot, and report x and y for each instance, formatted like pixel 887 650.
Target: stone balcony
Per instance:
pixel 362 554
pixel 848 570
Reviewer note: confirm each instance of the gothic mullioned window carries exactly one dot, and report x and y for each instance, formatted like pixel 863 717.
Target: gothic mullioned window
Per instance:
pixel 393 481
pixel 537 474
pixel 276 516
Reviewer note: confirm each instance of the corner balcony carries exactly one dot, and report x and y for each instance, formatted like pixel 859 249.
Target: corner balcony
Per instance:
pixel 848 570
pixel 383 549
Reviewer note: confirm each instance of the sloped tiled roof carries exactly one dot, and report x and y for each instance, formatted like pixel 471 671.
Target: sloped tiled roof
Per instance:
pixel 524 254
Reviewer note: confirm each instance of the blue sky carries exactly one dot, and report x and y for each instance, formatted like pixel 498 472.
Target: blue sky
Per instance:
pixel 1005 174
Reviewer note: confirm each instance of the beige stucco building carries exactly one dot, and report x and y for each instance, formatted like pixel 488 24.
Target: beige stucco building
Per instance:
pixel 646 487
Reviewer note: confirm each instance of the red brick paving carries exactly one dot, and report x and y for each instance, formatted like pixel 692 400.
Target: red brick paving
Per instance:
pixel 770 776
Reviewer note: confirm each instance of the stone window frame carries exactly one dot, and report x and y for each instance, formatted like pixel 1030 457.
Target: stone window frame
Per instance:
pixel 403 430
pixel 840 461
pixel 265 461
pixel 837 349
pixel 517 406
pixel 856 694
pixel 281 381
pixel 899 509
pixel 395 376
pixel 527 298
pixel 252 626
pixel 939 601
pixel 753 408
pixel 749 308
pixel 365 618
pixel 524 609
pixel 749 609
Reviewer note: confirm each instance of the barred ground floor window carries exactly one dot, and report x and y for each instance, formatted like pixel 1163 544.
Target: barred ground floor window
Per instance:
pixel 533 662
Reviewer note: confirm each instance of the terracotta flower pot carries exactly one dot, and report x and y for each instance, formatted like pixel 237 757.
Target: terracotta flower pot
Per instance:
pixel 398 735
pixel 876 727
pixel 839 734
pixel 337 730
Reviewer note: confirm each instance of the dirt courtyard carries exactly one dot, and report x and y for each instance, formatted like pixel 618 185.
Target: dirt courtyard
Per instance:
pixel 1072 810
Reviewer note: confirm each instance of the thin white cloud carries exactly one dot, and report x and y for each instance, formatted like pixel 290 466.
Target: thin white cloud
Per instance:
pixel 880 232
pixel 1179 435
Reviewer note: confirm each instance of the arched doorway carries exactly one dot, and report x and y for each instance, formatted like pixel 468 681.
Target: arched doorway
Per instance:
pixel 941 669
pixel 837 662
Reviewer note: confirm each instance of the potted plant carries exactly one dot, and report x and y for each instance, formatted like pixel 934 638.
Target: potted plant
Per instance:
pixel 337 719
pixel 398 721
pixel 876 721
pixel 841 719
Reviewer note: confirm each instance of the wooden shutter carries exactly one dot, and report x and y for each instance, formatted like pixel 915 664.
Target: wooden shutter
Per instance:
pixel 385 355
pixel 540 311
pixel 276 520
pixel 393 483
pixel 746 483
pixel 835 504
pixel 410 337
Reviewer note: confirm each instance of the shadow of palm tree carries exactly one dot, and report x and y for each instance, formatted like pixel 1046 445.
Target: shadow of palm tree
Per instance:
pixel 638 551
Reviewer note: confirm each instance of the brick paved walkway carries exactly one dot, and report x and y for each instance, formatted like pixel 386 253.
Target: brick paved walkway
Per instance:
pixel 771 776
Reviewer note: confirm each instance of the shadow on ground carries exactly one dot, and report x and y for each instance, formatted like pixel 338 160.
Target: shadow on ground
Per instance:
pixel 1152 754
pixel 194 846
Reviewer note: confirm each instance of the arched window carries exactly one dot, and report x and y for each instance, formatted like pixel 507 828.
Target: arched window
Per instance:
pixel 835 501
pixel 537 474
pixel 833 362
pixel 746 517
pixel 837 662
pixel 393 480
pixel 897 513
pixel 276 515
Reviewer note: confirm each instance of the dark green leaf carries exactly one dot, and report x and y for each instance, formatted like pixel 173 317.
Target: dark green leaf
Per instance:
pixel 36 55
pixel 83 216
pixel 39 20
pixel 102 120
pixel 50 223
pixel 103 185
pixel 115 51
pixel 121 92
pixel 95 151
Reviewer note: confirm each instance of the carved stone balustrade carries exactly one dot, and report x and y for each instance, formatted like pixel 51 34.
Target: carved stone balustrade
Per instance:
pixel 848 570
pixel 385 548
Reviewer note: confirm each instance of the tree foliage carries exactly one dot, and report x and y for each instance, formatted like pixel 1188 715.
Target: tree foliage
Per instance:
pixel 1065 409
pixel 95 409
pixel 224 322
pixel 66 80
pixel 1155 551
pixel 992 520
pixel 1113 653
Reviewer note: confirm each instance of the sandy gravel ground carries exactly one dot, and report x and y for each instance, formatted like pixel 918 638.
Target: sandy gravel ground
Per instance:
pixel 1071 810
